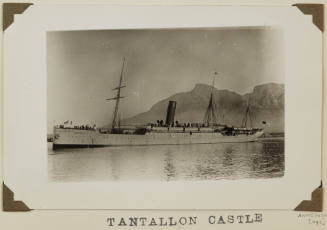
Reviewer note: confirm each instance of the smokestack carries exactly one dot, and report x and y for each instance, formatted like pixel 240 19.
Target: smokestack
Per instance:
pixel 171 112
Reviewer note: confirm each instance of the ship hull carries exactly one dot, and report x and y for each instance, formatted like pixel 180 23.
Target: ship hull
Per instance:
pixel 74 138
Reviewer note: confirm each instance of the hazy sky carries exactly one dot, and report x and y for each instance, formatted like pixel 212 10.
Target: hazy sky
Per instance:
pixel 84 66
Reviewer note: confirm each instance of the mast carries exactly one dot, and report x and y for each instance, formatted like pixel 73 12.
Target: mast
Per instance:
pixel 118 97
pixel 211 115
pixel 247 116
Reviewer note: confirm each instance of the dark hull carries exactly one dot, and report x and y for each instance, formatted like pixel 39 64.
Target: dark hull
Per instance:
pixel 69 146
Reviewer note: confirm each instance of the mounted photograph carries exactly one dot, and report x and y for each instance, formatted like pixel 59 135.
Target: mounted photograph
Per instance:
pixel 178 104
pixel 143 109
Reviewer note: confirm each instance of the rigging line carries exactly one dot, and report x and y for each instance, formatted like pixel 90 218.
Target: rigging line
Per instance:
pixel 118 95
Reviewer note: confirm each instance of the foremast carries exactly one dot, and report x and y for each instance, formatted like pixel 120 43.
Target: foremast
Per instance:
pixel 116 115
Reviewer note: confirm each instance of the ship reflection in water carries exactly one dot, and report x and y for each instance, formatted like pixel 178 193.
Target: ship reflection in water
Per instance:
pixel 168 162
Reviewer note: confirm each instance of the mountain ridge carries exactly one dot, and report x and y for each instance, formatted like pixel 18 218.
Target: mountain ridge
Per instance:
pixel 266 103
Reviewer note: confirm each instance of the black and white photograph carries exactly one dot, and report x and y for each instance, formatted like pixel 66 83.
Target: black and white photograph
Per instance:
pixel 165 104
pixel 133 112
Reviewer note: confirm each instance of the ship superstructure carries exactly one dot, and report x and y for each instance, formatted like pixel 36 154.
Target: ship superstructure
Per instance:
pixel 156 133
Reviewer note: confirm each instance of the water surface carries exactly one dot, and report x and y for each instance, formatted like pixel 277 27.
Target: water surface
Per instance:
pixel 168 162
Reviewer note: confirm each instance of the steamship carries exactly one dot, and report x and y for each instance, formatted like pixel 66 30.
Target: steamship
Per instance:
pixel 168 132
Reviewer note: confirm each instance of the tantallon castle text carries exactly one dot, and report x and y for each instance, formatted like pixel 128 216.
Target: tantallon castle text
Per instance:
pixel 191 220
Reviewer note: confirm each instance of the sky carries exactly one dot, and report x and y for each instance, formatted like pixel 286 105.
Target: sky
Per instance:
pixel 84 66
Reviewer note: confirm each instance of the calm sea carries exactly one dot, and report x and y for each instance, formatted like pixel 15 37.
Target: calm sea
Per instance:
pixel 263 159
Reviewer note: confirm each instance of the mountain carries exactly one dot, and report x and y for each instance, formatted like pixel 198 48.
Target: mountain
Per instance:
pixel 266 104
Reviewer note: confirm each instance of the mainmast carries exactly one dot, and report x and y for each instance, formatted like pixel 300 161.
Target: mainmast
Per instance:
pixel 211 116
pixel 117 98
pixel 247 116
